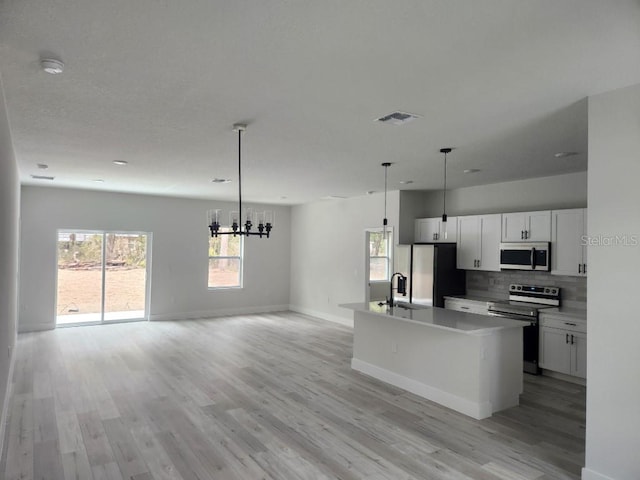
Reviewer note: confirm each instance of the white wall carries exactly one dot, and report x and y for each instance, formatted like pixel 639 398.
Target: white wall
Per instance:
pixel 179 253
pixel 545 193
pixel 613 361
pixel 328 252
pixel 9 218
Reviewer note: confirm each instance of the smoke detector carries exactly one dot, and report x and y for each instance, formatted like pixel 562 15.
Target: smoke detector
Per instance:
pixel 52 66
pixel 397 118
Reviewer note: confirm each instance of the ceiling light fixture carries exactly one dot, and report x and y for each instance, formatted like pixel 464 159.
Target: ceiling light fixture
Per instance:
pixel 42 177
pixel 406 182
pixel 98 180
pixel 263 219
pixel 471 170
pixel 444 190
pixel 120 163
pixel 43 166
pixel 52 66
pixel 221 180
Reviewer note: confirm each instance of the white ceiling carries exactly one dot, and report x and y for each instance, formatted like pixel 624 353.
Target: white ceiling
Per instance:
pixel 159 84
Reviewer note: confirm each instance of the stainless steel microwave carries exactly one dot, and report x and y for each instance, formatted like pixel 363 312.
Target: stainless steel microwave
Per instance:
pixel 525 256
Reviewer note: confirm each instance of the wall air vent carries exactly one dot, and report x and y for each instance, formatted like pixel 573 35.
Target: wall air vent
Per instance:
pixel 397 118
pixel 42 177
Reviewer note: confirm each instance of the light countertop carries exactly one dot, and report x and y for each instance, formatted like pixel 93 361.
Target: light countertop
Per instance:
pixel 575 313
pixel 461 322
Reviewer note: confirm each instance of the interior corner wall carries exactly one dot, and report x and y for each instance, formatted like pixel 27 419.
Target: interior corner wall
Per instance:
pixel 413 204
pixel 179 261
pixel 544 193
pixel 9 228
pixel 613 323
pixel 328 252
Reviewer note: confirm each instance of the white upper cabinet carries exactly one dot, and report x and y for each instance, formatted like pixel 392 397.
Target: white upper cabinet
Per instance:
pixel 568 254
pixel 434 230
pixel 526 226
pixel 479 242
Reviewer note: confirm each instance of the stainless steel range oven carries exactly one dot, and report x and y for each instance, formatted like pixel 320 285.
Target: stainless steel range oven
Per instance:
pixel 525 302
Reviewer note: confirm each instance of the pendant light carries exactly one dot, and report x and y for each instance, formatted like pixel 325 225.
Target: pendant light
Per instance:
pixel 386 166
pixel 264 220
pixel 444 190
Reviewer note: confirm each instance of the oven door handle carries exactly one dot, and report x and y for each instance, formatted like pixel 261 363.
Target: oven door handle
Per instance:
pixel 533 323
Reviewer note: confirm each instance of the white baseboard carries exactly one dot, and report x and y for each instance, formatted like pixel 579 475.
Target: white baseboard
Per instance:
pixel 4 414
pixel 591 475
pixel 348 322
pixel 220 312
pixel 459 404
pixel 36 327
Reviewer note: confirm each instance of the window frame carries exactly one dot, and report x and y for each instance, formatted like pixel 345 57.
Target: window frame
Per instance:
pixel 388 256
pixel 239 257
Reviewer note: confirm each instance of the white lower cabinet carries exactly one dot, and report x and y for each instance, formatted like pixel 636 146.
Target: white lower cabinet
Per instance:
pixel 563 345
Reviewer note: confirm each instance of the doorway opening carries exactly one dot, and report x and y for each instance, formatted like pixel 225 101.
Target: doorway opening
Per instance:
pixel 102 277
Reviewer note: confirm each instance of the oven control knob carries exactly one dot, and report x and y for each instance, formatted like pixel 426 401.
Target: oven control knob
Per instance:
pixel 554 291
pixel 546 290
pixel 519 287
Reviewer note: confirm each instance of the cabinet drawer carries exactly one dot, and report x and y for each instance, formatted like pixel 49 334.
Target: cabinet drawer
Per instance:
pixel 468 306
pixel 564 323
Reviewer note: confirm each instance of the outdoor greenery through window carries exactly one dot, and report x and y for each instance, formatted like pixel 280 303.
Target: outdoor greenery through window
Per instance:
pixel 379 256
pixel 225 261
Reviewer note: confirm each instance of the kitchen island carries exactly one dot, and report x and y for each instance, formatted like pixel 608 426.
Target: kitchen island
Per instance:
pixel 470 363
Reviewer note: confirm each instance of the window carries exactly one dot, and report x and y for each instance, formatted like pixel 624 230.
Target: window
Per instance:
pixel 379 256
pixel 225 261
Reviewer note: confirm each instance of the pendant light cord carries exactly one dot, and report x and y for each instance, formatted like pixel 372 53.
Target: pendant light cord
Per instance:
pixel 444 192
pixel 385 194
pixel 240 178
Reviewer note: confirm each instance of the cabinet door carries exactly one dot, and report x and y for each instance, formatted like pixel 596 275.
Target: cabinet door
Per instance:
pixel 490 228
pixel 427 229
pixel 538 226
pixel 555 350
pixel 584 246
pixel 567 228
pixel 579 355
pixel 468 251
pixel 513 226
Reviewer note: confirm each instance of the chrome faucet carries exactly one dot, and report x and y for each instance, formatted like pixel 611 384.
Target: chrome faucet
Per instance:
pixel 401 288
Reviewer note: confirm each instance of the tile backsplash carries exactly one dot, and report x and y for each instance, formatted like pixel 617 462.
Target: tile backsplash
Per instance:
pixel 496 284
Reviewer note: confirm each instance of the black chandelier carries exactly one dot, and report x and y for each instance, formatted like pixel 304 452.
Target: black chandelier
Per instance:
pixel 264 219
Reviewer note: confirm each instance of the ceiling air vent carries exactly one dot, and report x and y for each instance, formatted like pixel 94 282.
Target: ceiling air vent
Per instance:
pixel 397 118
pixel 42 177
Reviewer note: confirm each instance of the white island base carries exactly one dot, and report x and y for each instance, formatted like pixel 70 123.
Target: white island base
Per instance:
pixel 469 363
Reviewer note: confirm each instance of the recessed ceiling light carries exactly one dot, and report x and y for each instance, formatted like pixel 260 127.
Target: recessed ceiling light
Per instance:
pixel 221 180
pixel 283 197
pixel 406 182
pixel 564 154
pixel 43 166
pixel 471 170
pixel 370 192
pixel 98 180
pixel 52 66
pixel 120 162
pixel 333 197
pixel 42 177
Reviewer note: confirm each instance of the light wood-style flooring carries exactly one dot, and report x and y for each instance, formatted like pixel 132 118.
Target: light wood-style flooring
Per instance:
pixel 259 397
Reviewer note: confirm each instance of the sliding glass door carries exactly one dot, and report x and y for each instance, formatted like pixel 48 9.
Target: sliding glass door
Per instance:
pixel 102 277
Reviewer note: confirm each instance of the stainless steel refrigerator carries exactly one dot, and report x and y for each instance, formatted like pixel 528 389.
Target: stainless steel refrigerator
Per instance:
pixel 431 273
